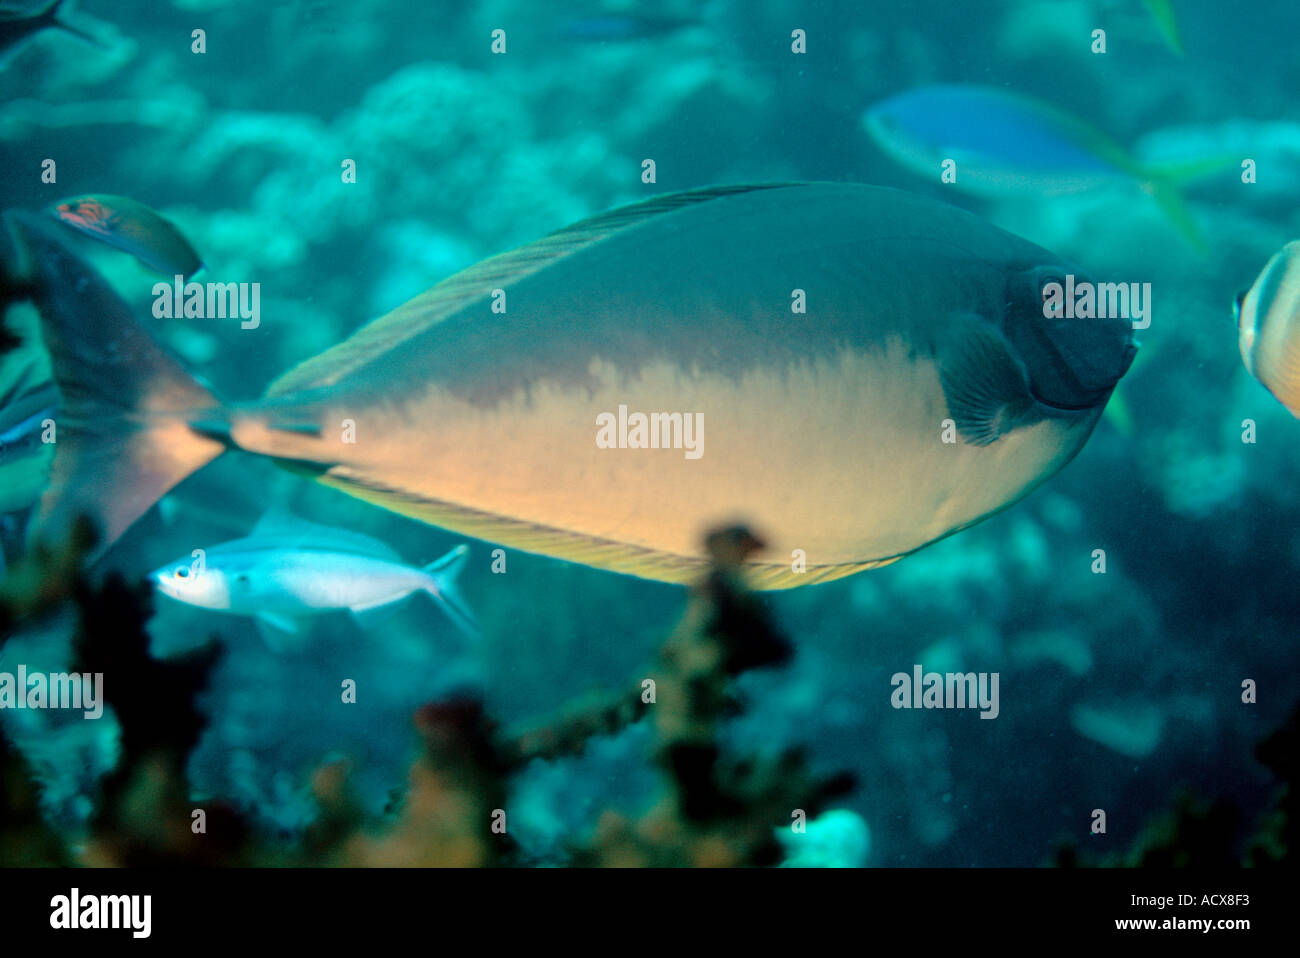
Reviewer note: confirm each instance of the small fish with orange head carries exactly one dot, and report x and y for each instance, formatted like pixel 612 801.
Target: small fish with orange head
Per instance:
pixel 132 227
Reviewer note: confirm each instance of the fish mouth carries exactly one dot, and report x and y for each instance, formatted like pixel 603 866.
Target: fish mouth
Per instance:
pixel 1069 385
pixel 161 579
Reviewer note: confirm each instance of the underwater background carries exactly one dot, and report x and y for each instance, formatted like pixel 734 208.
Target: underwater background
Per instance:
pixel 1120 691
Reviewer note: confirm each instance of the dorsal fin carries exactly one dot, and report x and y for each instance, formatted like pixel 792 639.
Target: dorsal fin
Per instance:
pixel 477 282
pixel 288 531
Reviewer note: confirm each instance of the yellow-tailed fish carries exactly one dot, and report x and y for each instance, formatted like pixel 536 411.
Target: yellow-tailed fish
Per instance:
pixel 921 391
pixel 1162 11
pixel 1005 143
pixel 131 226
pixel 1268 327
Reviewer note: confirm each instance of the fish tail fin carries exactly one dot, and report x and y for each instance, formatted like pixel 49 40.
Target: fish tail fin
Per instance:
pixel 1173 204
pixel 1181 172
pixel 124 431
pixel 1162 11
pixel 1165 180
pixel 1117 413
pixel 441 584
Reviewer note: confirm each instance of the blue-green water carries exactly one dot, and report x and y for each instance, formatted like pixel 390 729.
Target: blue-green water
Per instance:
pixel 1118 690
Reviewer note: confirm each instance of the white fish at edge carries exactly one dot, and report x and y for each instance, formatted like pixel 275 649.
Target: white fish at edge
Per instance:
pixel 289 569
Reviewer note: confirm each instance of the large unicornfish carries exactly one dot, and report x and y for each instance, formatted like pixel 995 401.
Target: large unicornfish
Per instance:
pixel 920 389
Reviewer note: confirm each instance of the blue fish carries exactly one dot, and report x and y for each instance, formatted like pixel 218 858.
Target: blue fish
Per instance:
pixel 1162 11
pixel 1004 144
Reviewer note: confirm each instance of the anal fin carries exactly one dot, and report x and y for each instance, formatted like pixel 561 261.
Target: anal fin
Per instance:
pixel 281 633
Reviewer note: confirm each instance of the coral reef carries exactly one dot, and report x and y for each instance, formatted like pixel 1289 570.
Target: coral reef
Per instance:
pixel 711 807
pixel 1198 833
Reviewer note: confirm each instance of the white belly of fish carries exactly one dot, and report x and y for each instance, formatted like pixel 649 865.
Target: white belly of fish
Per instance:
pixel 311 582
pixel 843 459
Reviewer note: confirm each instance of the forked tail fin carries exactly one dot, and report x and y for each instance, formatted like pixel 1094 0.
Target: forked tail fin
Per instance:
pixel 1165 181
pixel 122 436
pixel 442 586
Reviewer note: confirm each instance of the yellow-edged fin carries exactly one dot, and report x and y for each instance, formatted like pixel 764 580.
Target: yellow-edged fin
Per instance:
pixel 1179 214
pixel 1164 183
pixel 1165 180
pixel 1182 172
pixel 574 547
pixel 476 283
pixel 1117 413
pixel 1162 11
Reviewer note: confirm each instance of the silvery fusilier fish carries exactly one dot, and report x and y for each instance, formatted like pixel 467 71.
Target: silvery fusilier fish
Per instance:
pixel 916 388
pixel 288 569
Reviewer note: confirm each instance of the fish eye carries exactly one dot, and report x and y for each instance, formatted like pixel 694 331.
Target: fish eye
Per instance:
pixel 1034 283
pixel 183 572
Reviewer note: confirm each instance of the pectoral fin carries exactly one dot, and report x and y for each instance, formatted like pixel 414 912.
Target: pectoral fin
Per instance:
pixel 984 383
pixel 280 632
